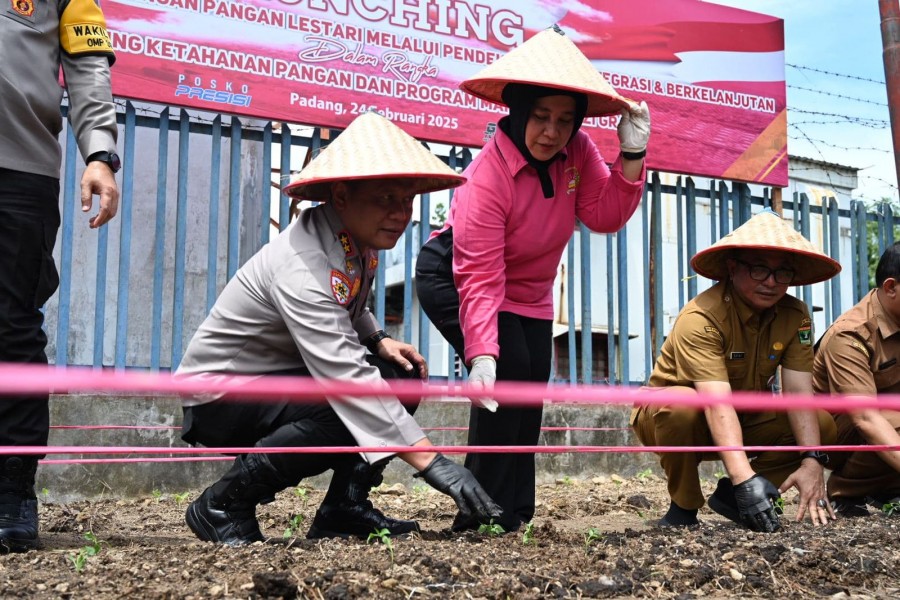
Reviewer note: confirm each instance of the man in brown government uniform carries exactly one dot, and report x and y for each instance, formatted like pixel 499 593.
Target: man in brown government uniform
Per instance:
pixel 733 336
pixel 858 356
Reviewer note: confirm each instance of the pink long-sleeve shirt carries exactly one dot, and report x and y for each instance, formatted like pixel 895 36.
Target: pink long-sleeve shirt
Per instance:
pixel 508 238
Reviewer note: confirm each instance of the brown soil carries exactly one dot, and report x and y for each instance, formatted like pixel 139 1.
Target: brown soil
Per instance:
pixel 590 539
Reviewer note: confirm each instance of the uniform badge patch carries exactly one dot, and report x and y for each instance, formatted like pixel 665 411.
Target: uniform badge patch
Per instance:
pixel 346 244
pixel 350 267
pixel 737 355
pixel 340 287
pixel 862 348
pixel 712 331
pixel 804 334
pixel 23 7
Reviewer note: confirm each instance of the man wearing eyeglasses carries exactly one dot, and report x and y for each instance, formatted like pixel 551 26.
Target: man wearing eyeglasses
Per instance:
pixel 858 358
pixel 733 337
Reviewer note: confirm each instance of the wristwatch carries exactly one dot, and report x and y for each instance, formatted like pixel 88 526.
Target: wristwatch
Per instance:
pixel 371 342
pixel 110 158
pixel 816 455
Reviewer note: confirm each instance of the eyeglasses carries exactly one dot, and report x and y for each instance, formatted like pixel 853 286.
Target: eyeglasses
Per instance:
pixel 762 272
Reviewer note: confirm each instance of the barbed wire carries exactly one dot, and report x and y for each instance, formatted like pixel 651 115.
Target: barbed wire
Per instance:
pixel 824 72
pixel 864 121
pixel 833 95
pixel 839 147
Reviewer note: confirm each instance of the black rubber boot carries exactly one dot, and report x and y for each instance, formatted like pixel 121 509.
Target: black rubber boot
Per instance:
pixel 18 504
pixel 348 512
pixel 225 512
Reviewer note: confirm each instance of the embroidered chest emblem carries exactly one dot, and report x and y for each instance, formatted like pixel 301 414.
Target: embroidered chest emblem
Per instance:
pixel 351 268
pixel 574 180
pixel 804 334
pixel 340 287
pixel 23 7
pixel 373 262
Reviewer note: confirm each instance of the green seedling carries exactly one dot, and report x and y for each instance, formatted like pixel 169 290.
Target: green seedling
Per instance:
pixel 643 475
pixel 590 536
pixel 719 474
pixel 383 536
pixel 303 494
pixel 157 495
pixel 889 508
pixel 778 504
pixel 566 480
pixel 528 535
pixel 181 498
pixel 79 561
pixel 491 529
pixel 45 493
pixel 420 489
pixel 293 526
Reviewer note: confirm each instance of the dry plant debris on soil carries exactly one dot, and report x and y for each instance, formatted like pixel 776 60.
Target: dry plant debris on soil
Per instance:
pixel 589 539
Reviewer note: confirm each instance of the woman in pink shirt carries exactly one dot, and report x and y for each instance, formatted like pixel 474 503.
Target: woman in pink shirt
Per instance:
pixel 485 279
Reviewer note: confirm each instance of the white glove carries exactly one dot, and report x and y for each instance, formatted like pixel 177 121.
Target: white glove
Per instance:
pixel 634 127
pixel 482 375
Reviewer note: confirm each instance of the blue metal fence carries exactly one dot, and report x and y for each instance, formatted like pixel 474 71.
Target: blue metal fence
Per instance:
pixel 184 227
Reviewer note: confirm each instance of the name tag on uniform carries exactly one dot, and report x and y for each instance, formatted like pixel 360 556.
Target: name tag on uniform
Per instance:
pixel 737 356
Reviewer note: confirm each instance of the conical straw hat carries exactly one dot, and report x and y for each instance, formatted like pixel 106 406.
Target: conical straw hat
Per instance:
pixel 767 231
pixel 549 59
pixel 372 148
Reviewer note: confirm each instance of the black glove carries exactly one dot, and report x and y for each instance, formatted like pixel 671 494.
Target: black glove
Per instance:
pixel 755 501
pixel 456 481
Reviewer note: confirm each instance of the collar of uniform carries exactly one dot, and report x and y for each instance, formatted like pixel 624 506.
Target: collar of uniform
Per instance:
pixel 514 160
pixel 337 227
pixel 886 324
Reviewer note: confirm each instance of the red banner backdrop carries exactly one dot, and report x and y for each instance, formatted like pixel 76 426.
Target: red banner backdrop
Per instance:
pixel 712 75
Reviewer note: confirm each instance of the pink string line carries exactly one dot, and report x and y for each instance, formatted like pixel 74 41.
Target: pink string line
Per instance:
pixel 21 379
pixel 170 427
pixel 81 450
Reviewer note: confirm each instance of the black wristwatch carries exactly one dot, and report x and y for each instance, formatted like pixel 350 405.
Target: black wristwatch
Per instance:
pixel 371 342
pixel 816 455
pixel 110 158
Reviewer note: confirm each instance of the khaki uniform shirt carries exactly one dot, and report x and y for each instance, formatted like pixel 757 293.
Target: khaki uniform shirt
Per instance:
pixel 860 352
pixel 301 302
pixel 717 337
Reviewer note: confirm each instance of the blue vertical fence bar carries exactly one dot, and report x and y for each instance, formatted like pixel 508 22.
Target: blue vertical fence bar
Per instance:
pixel 645 247
pixel 610 311
pixel 100 299
pixel 570 311
pixel 745 201
pixel 284 202
pixel 184 128
pixel 889 227
pixel 65 255
pixel 379 287
pixel 835 232
pixel 212 244
pixel 854 246
pixel 657 262
pixel 826 248
pixel 587 350
pixel 159 239
pixel 424 233
pixel 234 198
pixel 691 221
pixel 862 283
pixel 713 229
pixel 622 283
pixel 125 223
pixel 266 187
pixel 723 209
pixel 679 239
pixel 805 231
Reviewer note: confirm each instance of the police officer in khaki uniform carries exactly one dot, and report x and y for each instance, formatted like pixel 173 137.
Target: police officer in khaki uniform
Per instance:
pixel 733 336
pixel 298 307
pixel 37 39
pixel 858 356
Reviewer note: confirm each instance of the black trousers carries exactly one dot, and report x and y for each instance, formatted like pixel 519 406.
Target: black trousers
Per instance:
pixel 525 355
pixel 283 423
pixel 29 221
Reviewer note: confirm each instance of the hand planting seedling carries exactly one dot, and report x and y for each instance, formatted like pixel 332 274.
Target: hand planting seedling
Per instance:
pixel 491 529
pixel 383 536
